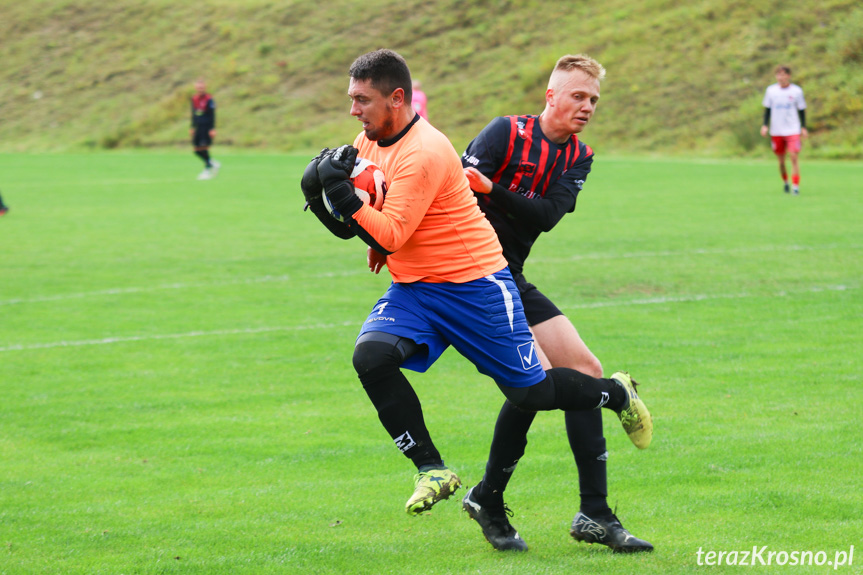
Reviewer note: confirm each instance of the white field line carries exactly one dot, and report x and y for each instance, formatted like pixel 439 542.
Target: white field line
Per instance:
pixel 103 183
pixel 348 273
pixel 189 334
pixel 695 252
pixel 247 331
pixel 694 298
pixel 173 286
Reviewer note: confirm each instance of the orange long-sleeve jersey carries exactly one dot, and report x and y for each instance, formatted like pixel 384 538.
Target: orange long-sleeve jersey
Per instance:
pixel 430 219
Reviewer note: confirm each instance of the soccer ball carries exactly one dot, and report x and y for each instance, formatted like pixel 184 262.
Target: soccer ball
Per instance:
pixel 369 185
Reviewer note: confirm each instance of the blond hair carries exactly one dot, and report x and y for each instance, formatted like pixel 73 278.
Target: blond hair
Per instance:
pixel 581 62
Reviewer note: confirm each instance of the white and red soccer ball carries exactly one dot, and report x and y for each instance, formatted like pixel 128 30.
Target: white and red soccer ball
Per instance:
pixel 369 185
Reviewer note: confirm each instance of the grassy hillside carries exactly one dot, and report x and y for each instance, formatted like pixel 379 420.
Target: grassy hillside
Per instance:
pixel 683 77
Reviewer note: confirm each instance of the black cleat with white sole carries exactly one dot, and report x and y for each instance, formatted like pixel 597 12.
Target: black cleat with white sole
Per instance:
pixel 607 530
pixel 494 523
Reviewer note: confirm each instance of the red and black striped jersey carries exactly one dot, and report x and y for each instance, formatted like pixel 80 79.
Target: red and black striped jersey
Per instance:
pixel 203 111
pixel 537 180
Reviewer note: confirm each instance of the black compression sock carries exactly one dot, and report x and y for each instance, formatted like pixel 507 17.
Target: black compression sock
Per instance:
pixel 569 390
pixel 507 447
pixel 205 156
pixel 400 412
pixel 584 431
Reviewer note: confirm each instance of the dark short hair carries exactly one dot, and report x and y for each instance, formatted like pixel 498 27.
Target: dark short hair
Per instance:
pixel 387 71
pixel 785 69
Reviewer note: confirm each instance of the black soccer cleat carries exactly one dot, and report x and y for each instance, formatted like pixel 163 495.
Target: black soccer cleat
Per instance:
pixel 607 530
pixel 494 523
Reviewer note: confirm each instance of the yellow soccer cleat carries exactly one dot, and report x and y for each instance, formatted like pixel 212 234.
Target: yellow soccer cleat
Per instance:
pixel 431 486
pixel 634 416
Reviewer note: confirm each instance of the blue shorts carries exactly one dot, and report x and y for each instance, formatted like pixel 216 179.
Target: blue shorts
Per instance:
pixel 483 320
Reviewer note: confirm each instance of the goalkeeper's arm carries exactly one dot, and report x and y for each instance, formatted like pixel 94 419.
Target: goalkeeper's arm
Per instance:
pixel 334 173
pixel 337 228
pixel 313 191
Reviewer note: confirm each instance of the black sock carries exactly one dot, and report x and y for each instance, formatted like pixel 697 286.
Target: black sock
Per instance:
pixel 584 431
pixel 576 390
pixel 507 447
pixel 401 414
pixel 204 155
pixel 569 390
pixel 397 404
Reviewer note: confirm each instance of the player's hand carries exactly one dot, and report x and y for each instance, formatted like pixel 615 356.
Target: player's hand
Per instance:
pixel 191 132
pixel 212 133
pixel 311 184
pixel 763 130
pixel 479 183
pixel 337 166
pixel 376 261
pixel 804 133
pixel 334 171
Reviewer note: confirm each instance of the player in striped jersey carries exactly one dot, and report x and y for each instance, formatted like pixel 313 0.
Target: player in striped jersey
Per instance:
pixel 203 130
pixel 527 172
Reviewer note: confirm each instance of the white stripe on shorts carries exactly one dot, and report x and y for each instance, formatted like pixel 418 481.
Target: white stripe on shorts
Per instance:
pixel 507 298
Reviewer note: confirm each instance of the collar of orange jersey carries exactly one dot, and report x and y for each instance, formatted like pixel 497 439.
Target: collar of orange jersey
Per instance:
pixel 400 135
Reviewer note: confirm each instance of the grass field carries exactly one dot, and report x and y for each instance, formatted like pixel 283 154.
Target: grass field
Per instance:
pixel 177 393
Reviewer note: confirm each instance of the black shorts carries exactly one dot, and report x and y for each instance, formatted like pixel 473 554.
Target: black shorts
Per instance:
pixel 202 138
pixel 537 307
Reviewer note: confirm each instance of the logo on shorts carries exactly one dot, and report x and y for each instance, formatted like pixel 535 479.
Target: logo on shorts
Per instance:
pixel 527 353
pixel 404 441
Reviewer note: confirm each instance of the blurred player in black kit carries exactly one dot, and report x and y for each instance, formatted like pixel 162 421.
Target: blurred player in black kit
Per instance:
pixel 526 172
pixel 203 129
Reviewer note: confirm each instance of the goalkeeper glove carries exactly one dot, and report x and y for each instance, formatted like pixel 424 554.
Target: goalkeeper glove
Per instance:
pixel 334 172
pixel 311 184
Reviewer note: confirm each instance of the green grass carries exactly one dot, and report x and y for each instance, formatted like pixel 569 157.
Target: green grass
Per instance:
pixel 177 394
pixel 683 77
